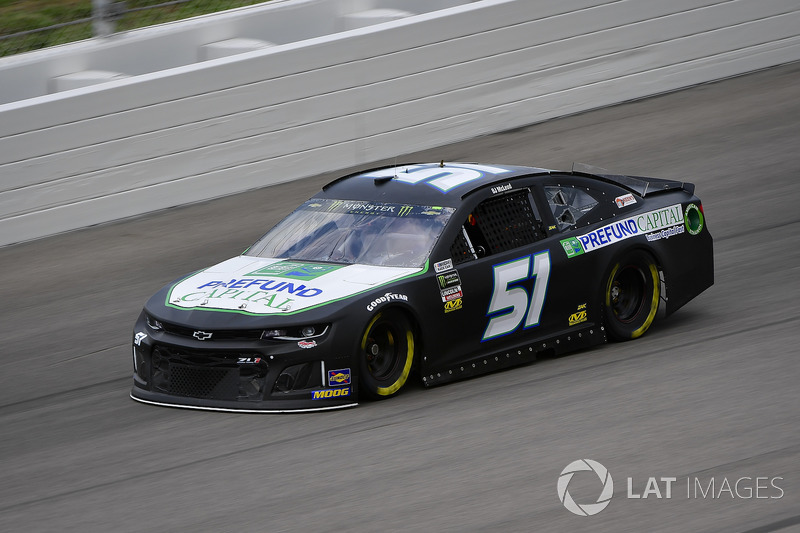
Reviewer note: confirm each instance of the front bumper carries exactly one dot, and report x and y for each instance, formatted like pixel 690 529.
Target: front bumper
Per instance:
pixel 239 375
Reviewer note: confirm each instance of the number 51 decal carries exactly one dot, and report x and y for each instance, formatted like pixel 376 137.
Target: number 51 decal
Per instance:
pixel 509 305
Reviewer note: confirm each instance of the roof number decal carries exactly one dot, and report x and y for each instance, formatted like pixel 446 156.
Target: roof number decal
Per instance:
pixel 441 178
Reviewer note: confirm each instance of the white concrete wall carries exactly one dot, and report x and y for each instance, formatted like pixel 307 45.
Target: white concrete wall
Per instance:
pixel 204 130
pixel 183 43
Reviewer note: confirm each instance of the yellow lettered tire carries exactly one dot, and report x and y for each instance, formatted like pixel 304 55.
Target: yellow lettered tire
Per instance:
pixel 386 354
pixel 631 295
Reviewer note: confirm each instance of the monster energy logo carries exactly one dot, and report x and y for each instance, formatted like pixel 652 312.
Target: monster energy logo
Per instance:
pixel 405 211
pixel 448 279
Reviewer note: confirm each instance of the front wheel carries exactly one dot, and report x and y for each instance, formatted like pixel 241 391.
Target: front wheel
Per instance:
pixel 386 354
pixel 632 292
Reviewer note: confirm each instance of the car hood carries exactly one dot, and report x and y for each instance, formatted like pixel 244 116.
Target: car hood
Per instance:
pixel 257 286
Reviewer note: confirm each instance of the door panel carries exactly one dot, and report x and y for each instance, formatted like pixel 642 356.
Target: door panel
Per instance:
pixel 510 283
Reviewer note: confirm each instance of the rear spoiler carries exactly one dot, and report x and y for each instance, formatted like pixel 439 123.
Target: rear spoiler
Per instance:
pixel 638 184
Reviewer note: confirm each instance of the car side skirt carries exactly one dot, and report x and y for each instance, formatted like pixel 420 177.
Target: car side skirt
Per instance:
pixel 566 341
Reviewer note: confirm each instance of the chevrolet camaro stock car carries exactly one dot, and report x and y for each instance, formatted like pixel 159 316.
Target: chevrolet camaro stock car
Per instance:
pixel 442 271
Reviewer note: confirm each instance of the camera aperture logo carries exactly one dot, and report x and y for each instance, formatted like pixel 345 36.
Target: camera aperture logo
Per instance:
pixel 586 509
pixel 743 487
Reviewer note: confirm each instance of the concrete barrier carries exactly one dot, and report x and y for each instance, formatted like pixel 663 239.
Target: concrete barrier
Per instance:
pixel 293 109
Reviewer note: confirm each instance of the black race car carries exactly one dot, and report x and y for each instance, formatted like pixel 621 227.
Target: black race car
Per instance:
pixel 445 270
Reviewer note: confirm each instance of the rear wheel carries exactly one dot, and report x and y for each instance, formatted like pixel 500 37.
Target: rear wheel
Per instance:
pixel 632 292
pixel 386 354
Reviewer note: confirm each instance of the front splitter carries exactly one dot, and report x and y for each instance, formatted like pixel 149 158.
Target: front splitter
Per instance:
pixel 243 410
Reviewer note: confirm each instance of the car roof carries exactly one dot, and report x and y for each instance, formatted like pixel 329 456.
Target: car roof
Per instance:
pixel 444 183
pixel 447 184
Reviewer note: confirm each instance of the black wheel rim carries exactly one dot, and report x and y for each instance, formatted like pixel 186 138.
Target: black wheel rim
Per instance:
pixel 382 351
pixel 627 293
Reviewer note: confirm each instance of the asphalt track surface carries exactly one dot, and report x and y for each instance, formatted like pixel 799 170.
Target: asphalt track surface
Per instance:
pixel 710 395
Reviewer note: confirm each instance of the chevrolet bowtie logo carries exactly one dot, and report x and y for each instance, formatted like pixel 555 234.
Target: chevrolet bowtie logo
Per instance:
pixel 202 335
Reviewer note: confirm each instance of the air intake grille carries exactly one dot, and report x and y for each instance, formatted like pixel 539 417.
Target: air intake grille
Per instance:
pixel 211 376
pixel 210 383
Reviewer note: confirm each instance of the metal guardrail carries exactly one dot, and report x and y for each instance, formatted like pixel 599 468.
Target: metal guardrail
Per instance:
pixel 26 26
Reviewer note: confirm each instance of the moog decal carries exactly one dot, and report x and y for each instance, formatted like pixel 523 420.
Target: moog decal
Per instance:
pixel 327 394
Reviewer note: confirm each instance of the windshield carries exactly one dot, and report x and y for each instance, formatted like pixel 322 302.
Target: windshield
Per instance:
pixel 350 231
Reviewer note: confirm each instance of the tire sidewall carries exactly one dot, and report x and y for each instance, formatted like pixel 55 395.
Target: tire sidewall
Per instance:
pixel 405 340
pixel 648 304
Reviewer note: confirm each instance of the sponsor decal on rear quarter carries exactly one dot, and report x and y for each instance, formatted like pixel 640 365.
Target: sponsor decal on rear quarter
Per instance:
pixel 572 247
pixel 665 233
pixel 646 223
pixel 694 219
pixel 625 200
